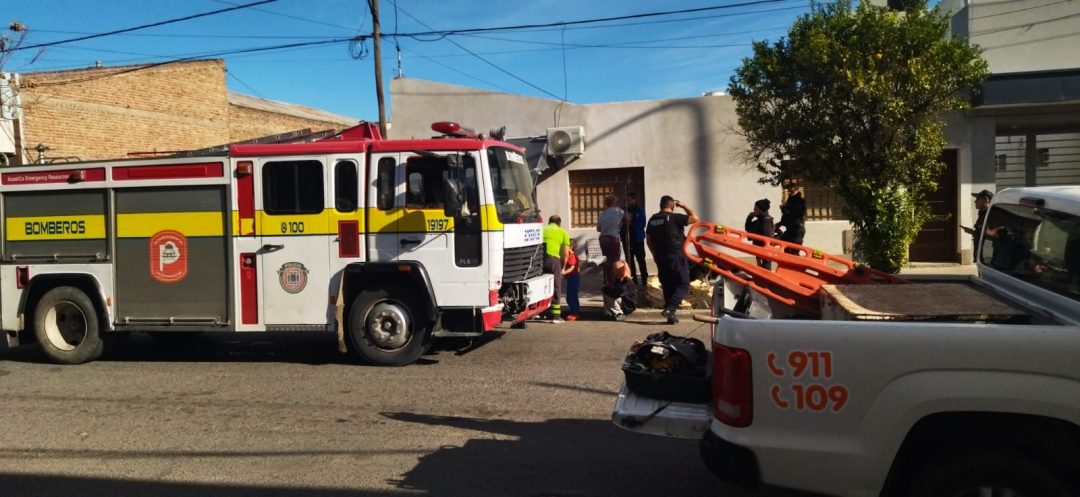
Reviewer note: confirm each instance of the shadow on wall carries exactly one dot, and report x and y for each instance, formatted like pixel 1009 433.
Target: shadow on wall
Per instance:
pixel 701 157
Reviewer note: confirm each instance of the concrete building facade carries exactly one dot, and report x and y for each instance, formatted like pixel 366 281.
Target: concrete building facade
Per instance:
pixel 682 147
pixel 1023 130
pixel 114 112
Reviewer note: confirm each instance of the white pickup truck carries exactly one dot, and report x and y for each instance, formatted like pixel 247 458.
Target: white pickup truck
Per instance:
pixel 944 398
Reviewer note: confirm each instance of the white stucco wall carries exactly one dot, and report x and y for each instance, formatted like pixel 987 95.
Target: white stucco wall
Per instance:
pixel 1020 35
pixel 686 146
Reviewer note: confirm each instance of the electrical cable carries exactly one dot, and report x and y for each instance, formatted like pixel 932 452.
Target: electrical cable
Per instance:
pixel 1018 10
pixel 496 66
pixel 298 18
pixel 201 36
pixel 238 80
pixel 577 22
pixel 463 73
pixel 188 59
pixel 135 28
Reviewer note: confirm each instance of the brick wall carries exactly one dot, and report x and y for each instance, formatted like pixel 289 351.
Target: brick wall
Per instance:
pixel 246 123
pixel 181 106
pixel 178 106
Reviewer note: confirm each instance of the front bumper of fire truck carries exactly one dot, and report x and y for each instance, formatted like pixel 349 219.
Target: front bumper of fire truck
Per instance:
pixel 537 293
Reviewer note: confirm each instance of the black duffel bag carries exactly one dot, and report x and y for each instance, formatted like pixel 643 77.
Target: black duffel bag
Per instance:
pixel 669 367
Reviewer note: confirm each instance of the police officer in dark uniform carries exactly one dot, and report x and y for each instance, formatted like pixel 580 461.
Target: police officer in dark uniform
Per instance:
pixel 665 235
pixel 982 201
pixel 793 217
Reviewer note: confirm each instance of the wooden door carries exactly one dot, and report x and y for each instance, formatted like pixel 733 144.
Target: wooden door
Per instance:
pixel 937 241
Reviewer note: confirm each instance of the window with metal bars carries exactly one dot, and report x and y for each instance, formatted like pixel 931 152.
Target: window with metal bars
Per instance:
pixel 588 187
pixel 822 203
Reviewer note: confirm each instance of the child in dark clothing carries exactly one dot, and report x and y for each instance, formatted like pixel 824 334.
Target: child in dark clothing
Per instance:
pixel 620 296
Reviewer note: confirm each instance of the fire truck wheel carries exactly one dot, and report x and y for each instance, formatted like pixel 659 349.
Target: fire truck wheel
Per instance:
pixel 66 326
pixel 383 330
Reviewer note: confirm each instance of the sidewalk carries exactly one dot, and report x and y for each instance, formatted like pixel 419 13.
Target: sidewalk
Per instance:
pixel 593 300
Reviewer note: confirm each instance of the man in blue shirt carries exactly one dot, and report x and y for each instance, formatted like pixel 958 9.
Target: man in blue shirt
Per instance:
pixel 635 240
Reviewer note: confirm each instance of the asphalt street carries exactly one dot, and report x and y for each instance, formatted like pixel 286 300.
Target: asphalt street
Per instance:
pixel 526 413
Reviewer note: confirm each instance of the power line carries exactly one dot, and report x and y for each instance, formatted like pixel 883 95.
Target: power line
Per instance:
pixel 666 21
pixel 470 52
pixel 633 44
pixel 553 47
pixel 249 87
pixel 1026 25
pixel 298 18
pixel 444 33
pixel 463 73
pixel 181 35
pixel 1019 10
pixel 191 58
pixel 144 26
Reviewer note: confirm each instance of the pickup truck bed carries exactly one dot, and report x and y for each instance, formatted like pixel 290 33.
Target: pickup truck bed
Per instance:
pixel 918 302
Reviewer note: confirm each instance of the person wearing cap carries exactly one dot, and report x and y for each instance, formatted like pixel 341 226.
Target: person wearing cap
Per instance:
pixel 759 222
pixel 982 202
pixel 664 234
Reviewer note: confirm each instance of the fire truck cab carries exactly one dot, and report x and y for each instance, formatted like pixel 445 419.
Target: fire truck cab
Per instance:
pixel 389 243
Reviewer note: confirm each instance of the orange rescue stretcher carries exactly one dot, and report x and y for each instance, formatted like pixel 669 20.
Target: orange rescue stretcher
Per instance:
pixel 796 272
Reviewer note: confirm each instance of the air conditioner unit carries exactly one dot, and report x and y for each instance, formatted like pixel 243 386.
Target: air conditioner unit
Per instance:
pixel 569 140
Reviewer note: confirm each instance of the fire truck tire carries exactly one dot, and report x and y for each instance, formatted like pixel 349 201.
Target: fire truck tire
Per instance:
pixel 66 325
pixel 383 329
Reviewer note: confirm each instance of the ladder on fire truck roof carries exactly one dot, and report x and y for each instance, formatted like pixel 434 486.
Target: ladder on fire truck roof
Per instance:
pixel 795 273
pixel 300 135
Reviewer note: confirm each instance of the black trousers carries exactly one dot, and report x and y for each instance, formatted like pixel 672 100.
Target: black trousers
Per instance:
pixel 674 273
pixel 635 252
pixel 793 235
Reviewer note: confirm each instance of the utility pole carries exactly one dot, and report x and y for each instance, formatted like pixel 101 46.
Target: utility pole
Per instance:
pixel 378 64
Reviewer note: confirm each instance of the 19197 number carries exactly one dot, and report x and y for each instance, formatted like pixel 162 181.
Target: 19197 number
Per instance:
pixel 438 224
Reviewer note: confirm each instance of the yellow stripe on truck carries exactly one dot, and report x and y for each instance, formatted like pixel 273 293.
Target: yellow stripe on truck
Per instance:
pixel 76 227
pixel 489 219
pixel 146 224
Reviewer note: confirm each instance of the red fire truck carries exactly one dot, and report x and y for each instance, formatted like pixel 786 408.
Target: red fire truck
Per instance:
pixel 388 243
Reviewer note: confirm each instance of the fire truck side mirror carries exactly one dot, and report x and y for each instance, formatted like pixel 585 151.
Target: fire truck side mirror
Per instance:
pixel 452 196
pixel 453 191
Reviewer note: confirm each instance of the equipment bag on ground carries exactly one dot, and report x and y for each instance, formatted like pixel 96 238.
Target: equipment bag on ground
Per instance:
pixel 668 367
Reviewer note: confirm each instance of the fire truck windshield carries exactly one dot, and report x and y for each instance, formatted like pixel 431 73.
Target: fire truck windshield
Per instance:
pixel 512 185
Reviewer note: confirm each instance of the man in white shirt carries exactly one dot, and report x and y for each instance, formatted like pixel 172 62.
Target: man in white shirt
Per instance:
pixel 608 224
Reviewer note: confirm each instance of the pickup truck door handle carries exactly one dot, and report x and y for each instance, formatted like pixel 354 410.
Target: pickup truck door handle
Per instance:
pixel 266 249
pixel 405 242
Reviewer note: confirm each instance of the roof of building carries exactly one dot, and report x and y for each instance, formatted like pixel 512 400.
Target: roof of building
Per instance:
pixel 296 110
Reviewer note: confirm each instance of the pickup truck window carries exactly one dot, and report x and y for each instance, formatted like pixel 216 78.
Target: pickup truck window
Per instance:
pixel 1035 244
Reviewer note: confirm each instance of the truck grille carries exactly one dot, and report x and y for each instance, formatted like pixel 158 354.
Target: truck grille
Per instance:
pixel 522 263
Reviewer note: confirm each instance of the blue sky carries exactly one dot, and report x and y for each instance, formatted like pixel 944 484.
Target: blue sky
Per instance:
pixel 660 57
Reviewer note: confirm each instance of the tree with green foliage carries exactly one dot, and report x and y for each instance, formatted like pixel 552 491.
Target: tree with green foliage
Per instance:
pixel 855 99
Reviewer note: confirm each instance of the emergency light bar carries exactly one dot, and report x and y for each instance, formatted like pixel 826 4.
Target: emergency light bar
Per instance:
pixel 453 129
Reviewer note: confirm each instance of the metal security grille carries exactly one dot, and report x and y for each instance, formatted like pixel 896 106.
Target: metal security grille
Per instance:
pixel 822 203
pixel 589 187
pixel 1037 159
